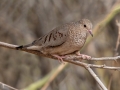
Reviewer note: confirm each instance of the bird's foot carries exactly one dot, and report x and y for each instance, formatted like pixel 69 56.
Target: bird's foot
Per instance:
pixel 60 58
pixel 84 56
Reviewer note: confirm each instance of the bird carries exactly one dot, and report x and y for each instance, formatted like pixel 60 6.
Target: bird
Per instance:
pixel 63 40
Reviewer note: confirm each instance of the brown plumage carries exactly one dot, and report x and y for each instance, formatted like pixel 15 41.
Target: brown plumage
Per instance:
pixel 66 39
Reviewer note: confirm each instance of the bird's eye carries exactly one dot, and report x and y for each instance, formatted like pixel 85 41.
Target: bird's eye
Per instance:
pixel 84 25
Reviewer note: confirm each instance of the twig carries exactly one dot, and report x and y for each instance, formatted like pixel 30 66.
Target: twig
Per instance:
pixel 93 65
pixel 100 26
pixel 7 86
pixel 88 67
pixel 96 78
pixel 67 57
pixel 72 59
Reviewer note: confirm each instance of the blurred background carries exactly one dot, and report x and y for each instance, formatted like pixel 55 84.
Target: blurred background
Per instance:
pixel 22 21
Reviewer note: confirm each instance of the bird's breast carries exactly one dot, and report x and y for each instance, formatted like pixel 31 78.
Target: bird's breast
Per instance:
pixel 77 38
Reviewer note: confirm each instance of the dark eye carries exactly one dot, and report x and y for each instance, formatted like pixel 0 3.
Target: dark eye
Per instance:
pixel 84 25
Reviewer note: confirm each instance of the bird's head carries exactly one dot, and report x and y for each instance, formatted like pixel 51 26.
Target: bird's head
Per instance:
pixel 86 26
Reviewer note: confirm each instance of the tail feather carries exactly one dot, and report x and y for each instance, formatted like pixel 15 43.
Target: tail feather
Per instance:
pixel 23 46
pixel 19 47
pixel 29 46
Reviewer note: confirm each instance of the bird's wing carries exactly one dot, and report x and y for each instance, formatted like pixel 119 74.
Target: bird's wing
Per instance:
pixel 54 38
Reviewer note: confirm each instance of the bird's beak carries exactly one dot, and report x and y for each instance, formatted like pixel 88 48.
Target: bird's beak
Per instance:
pixel 90 31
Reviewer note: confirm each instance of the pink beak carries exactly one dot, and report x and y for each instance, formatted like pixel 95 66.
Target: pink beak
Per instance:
pixel 90 31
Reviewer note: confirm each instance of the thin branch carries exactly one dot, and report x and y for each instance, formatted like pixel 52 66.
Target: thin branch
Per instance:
pixel 93 65
pixel 5 85
pixel 67 57
pixel 72 59
pixel 76 59
pixel 88 67
pixel 96 78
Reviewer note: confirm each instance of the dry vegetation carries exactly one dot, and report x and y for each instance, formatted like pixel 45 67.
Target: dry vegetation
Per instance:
pixel 22 21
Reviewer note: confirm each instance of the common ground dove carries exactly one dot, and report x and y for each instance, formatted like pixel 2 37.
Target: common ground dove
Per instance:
pixel 63 40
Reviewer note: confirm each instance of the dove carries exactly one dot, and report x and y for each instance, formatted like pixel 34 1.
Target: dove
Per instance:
pixel 63 40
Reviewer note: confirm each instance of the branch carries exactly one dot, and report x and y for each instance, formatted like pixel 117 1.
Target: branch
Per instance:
pixel 72 59
pixel 75 59
pixel 67 58
pixel 96 78
pixel 7 86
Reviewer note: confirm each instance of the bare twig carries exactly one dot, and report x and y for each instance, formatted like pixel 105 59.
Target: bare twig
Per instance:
pixel 67 57
pixel 5 85
pixel 75 59
pixel 93 65
pixel 96 78
pixel 72 59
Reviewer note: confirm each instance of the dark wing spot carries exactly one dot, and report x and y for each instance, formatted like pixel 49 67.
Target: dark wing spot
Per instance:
pixel 34 42
pixel 57 45
pixel 45 38
pixel 60 34
pixel 54 38
pixel 50 36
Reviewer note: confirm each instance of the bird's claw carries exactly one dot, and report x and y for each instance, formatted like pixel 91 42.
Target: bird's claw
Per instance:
pixel 84 56
pixel 60 58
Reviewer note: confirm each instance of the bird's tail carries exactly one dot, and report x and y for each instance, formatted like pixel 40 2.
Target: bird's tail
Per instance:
pixel 23 46
pixel 30 47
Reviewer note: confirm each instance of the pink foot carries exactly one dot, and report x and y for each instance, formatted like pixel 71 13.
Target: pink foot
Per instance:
pixel 84 56
pixel 60 58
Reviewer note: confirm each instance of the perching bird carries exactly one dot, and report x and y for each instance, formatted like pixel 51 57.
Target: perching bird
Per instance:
pixel 63 40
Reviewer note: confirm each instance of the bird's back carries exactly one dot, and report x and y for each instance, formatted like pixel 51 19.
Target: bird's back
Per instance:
pixel 55 37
